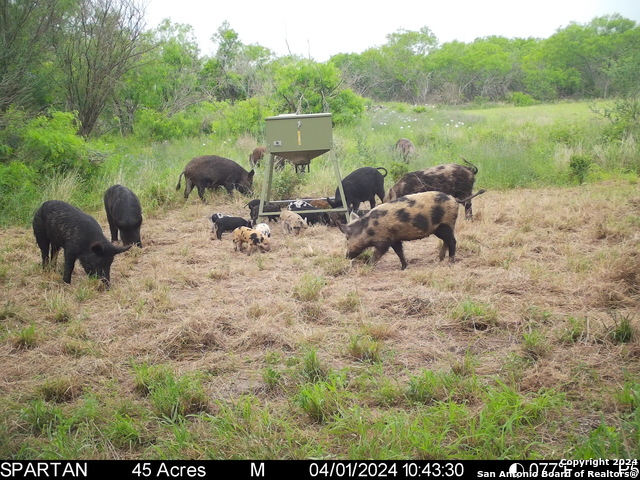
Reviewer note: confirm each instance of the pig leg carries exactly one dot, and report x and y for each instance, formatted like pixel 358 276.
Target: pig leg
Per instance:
pixel 69 262
pixel 201 191
pixel 188 187
pixel 378 252
pixel 113 228
pixel 445 233
pixel 397 247
pixel 43 243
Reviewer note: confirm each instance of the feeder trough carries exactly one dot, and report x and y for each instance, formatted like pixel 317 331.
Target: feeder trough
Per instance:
pixel 298 139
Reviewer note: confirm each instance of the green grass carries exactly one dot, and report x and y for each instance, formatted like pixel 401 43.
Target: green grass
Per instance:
pixel 512 147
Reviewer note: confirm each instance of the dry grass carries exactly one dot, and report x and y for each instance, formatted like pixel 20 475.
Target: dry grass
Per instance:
pixel 532 261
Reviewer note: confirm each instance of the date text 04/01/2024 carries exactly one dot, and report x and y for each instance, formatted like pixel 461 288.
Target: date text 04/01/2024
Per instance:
pixel 385 469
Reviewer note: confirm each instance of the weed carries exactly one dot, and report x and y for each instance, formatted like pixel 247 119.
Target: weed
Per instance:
pixel 309 287
pixel 611 441
pixel 271 377
pixel 286 185
pixel 576 331
pixel 255 311
pixel 321 400
pixel 364 348
pixel 398 170
pixel 349 303
pixel 630 395
pixel 476 315
pixel 59 390
pixel 623 330
pixel 579 166
pixel 312 368
pixel 171 398
pixel 334 266
pixel 535 344
pixel 311 312
pixel 123 432
pixel 430 386
pixel 467 366
pixel 27 338
pixel 40 417
pixel 498 431
pixel 536 314
pixel 59 306
pixel 77 348
pixel 88 288
pixel 219 273
pixel 8 310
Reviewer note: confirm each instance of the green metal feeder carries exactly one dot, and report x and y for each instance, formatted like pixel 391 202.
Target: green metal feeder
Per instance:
pixel 299 139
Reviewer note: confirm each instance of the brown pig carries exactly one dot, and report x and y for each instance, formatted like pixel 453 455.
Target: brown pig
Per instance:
pixel 407 218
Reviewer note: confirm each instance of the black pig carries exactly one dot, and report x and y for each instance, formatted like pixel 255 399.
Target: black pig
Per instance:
pixel 212 171
pixel 59 225
pixel 124 214
pixel 361 185
pixel 307 212
pixel 229 224
pixel 451 178
pixel 406 218
pixel 268 207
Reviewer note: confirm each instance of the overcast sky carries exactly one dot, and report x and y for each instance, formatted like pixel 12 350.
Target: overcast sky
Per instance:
pixel 327 27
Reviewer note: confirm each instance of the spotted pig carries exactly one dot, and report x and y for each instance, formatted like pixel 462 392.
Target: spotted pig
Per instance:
pixel 404 219
pixel 247 236
pixel 451 178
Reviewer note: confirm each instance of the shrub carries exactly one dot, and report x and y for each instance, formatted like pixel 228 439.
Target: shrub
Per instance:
pixel 15 176
pixel 398 170
pixel 287 185
pixel 520 99
pixel 579 166
pixel 245 117
pixel 624 117
pixel 151 124
pixel 51 144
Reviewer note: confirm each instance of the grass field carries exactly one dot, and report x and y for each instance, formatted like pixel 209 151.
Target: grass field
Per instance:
pixel 527 347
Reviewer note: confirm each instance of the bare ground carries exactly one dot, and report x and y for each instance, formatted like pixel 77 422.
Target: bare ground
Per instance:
pixel 538 260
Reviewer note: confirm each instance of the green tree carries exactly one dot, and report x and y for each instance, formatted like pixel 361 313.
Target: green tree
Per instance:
pixel 101 43
pixel 303 86
pixel 167 78
pixel 237 71
pixel 582 60
pixel 26 28
pixel 395 71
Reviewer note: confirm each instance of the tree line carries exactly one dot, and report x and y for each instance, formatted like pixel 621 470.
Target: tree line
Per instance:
pixel 93 66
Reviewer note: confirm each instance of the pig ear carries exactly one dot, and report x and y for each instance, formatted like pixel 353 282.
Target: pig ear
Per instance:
pixel 354 216
pixel 97 248
pixel 251 173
